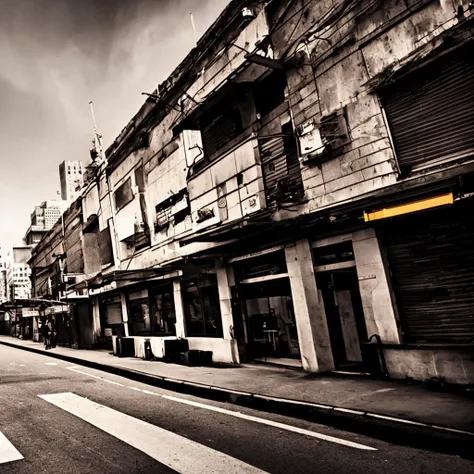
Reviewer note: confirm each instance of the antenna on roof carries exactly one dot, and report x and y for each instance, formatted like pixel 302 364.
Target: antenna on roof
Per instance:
pixel 98 148
pixel 194 27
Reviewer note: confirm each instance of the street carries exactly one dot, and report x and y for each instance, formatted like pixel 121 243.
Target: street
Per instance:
pixel 60 418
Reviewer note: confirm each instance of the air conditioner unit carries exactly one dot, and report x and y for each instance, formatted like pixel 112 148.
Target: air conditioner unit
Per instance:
pixel 70 280
pixel 205 214
pixel 248 14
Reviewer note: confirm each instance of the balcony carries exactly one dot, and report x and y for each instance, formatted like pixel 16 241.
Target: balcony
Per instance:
pixel 243 60
pixel 230 188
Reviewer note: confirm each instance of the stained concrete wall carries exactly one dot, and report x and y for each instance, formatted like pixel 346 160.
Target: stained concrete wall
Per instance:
pixel 454 366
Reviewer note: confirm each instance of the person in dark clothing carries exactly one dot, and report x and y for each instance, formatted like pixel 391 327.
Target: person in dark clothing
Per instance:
pixel 49 336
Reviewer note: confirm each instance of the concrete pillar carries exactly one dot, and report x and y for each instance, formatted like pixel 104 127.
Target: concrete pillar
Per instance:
pixel 379 312
pixel 311 324
pixel 123 301
pixel 95 319
pixel 179 310
pixel 224 278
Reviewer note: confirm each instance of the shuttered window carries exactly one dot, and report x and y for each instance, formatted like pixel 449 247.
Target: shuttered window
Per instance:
pixel 280 161
pixel 431 259
pixel 220 130
pixel 430 111
pixel 123 195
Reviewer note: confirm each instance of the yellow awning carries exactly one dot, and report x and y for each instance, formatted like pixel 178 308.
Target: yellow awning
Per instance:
pixel 429 203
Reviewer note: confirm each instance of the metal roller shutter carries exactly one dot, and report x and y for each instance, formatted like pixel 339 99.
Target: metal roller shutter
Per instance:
pixel 431 111
pixel 431 260
pixel 274 165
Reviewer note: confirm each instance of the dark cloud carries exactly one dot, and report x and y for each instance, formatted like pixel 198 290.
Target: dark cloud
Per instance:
pixel 56 56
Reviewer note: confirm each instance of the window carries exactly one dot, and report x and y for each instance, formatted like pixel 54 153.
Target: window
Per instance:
pixel 201 306
pixel 123 195
pixel 163 311
pixel 220 128
pixel 105 246
pixel 140 179
pixel 139 313
pixel 269 93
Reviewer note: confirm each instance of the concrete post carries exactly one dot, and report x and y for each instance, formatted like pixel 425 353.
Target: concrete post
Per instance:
pixel 379 313
pixel 311 324
pixel 224 277
pixel 95 319
pixel 179 310
pixel 123 301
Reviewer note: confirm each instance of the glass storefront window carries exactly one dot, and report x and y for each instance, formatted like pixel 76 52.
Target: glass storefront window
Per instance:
pixel 201 306
pixel 163 311
pixel 140 317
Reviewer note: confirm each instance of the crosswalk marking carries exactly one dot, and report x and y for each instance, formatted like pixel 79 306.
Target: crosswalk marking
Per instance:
pixel 275 424
pixel 236 414
pixel 170 449
pixel 8 452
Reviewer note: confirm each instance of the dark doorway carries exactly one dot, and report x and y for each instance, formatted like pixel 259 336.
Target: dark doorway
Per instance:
pixel 345 316
pixel 267 309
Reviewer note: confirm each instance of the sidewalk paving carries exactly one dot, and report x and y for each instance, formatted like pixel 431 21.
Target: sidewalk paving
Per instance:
pixel 384 397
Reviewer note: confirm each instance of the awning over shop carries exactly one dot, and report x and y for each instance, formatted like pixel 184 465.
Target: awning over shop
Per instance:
pixel 34 307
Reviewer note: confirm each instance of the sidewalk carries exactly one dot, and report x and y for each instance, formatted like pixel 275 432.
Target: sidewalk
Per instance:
pixel 340 402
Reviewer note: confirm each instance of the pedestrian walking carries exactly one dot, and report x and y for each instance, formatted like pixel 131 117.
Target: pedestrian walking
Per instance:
pixel 49 336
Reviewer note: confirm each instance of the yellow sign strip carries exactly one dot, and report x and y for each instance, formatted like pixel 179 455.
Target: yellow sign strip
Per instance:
pixel 410 207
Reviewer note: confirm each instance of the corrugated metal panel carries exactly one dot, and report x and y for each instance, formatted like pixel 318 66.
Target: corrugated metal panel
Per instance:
pixel 431 259
pixel 272 152
pixel 220 131
pixel 430 111
pixel 292 158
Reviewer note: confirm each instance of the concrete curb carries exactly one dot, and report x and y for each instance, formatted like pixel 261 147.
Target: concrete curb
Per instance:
pixel 394 430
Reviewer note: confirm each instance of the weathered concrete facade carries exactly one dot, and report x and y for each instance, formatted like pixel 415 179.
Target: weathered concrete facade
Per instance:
pixel 230 211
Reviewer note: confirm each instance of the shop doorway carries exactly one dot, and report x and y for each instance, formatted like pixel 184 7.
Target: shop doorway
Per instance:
pixel 267 308
pixel 337 280
pixel 345 316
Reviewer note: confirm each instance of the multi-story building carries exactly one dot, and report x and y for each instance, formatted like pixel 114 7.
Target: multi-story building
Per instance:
pixel 3 285
pixel 18 272
pixel 299 191
pixel 43 219
pixel 3 277
pixel 71 175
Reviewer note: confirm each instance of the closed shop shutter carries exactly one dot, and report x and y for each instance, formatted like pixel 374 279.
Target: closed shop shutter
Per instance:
pixel 430 111
pixel 431 259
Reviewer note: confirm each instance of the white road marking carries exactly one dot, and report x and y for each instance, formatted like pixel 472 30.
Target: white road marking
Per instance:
pixel 8 452
pixel 237 414
pixel 95 376
pixel 50 363
pixel 170 449
pixel 275 424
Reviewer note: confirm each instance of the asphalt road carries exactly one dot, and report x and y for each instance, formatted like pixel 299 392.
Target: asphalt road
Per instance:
pixel 60 418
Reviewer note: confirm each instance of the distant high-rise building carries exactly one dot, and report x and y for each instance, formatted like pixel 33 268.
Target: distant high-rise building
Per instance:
pixel 43 219
pixel 3 285
pixel 71 176
pixel 3 277
pixel 18 272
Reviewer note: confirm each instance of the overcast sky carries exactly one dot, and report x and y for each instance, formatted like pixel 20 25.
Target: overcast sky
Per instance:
pixel 56 56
